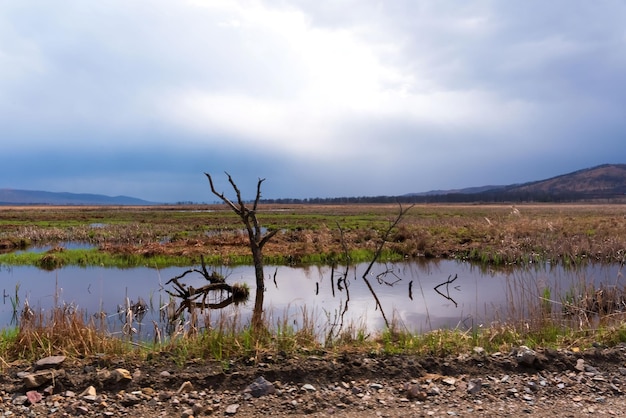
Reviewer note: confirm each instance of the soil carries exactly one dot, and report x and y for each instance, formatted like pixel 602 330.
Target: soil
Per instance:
pixel 539 383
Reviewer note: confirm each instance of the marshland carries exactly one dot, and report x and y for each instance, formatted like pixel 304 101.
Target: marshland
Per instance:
pixel 435 279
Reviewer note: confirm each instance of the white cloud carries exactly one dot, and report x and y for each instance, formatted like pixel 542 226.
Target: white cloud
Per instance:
pixel 412 85
pixel 343 76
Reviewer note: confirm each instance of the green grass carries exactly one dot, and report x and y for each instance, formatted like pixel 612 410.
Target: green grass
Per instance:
pixel 94 257
pixel 8 338
pixel 228 338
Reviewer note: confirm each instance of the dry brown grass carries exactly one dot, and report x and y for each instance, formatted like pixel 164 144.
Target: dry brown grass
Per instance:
pixel 496 234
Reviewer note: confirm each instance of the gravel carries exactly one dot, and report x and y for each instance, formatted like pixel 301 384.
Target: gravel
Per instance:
pixel 557 383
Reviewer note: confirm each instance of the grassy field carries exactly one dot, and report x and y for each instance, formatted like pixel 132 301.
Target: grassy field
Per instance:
pixel 310 234
pixel 494 235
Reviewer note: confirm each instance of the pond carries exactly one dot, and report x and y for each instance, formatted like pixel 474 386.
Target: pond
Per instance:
pixel 419 296
pixel 67 245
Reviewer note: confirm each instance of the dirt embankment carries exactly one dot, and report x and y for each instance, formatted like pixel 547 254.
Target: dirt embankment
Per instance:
pixel 524 382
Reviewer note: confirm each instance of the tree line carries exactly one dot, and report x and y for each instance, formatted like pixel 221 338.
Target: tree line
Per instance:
pixel 482 197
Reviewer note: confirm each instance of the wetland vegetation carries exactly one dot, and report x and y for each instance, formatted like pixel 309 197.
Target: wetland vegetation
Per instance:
pixel 495 235
pixel 491 236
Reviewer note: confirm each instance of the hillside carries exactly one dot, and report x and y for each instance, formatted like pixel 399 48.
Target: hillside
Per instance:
pixel 602 183
pixel 604 180
pixel 33 197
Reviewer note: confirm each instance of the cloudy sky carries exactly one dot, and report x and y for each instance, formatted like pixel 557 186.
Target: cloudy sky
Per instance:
pixel 320 98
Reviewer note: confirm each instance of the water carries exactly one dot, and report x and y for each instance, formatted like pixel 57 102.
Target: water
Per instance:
pixel 68 245
pixel 414 294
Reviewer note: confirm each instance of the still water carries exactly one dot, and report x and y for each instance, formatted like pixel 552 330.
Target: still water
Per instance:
pixel 418 296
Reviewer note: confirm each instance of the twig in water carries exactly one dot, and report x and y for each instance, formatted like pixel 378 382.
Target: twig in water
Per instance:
pixel 447 295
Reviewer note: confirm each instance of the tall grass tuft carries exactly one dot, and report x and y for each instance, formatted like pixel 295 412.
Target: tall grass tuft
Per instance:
pixel 62 330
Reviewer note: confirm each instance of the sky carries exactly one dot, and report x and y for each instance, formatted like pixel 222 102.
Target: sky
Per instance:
pixel 319 98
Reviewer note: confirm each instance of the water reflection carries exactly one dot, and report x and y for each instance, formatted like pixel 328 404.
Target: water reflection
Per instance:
pixel 66 245
pixel 418 296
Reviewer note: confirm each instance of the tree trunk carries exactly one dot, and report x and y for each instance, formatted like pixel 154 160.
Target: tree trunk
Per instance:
pixel 257 313
pixel 256 242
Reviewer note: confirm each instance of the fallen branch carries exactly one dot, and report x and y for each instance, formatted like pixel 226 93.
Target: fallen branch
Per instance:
pixel 447 284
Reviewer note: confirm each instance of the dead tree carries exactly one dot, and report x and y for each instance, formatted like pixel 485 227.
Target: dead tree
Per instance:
pixel 255 237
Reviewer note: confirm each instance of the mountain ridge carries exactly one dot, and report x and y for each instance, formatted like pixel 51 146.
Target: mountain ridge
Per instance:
pixel 10 196
pixel 606 181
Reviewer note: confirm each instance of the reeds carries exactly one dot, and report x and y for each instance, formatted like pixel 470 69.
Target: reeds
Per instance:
pixel 488 234
pixel 62 330
pixel 224 336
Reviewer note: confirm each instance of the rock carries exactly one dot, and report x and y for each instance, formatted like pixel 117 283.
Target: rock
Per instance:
pixel 308 388
pixel 90 391
pixel 187 413
pixel 232 409
pixel 51 362
pixel 121 375
pixel 165 395
pixel 129 400
pixel 474 386
pixel 591 370
pixel 198 409
pixel 185 387
pixel 260 387
pixel 81 410
pixel 33 396
pixel 433 390
pixel 148 391
pixel 416 392
pixel 20 400
pixel 526 356
pixel 40 378
pixel 580 365
pixel 103 375
pixel 450 381
pixel 165 373
pixel 511 392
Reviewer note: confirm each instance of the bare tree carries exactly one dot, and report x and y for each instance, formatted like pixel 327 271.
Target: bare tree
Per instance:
pixel 255 237
pixel 379 250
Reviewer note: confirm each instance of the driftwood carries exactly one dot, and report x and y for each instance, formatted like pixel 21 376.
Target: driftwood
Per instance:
pixel 197 297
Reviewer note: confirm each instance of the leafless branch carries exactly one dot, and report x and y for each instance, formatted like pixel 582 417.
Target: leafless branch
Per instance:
pixel 447 284
pixel 379 249
pixel 221 195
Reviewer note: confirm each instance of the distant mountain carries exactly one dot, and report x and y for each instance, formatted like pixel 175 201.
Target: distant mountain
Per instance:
pixel 603 180
pixel 33 197
pixel 607 181
pixel 467 190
